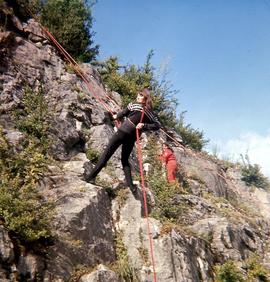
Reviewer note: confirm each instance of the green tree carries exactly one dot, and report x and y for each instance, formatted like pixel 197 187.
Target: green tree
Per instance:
pixel 252 176
pixel 25 9
pixel 190 136
pixel 70 21
pixel 128 80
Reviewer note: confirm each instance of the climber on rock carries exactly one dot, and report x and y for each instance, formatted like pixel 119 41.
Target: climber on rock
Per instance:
pixel 169 159
pixel 139 115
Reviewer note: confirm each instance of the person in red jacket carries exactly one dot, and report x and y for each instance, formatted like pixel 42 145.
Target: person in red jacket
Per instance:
pixel 169 159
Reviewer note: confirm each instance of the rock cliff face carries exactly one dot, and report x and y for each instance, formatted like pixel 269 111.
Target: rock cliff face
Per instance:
pixel 223 219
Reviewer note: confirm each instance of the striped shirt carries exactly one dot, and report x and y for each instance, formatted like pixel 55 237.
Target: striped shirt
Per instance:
pixel 133 112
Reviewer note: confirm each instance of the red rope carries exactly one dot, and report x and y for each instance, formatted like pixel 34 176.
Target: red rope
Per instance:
pixel 139 152
pixel 89 86
pixel 79 71
pixel 177 142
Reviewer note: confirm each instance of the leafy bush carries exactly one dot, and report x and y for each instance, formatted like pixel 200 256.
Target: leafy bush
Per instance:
pixel 252 176
pixel 228 272
pixel 128 80
pixel 22 207
pixel 33 118
pixel 255 270
pixel 191 137
pixel 23 9
pixel 92 154
pixel 164 192
pixel 122 266
pixel 70 21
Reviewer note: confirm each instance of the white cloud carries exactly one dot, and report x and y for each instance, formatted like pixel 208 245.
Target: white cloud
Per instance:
pixel 256 146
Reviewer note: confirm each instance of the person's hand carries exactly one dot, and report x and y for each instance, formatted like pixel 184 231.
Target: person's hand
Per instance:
pixel 140 125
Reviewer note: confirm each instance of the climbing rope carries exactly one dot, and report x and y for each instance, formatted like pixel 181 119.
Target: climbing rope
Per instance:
pixel 139 152
pixel 87 82
pixel 84 77
pixel 80 72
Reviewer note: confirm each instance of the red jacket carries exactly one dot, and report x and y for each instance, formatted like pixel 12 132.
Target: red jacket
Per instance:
pixel 167 156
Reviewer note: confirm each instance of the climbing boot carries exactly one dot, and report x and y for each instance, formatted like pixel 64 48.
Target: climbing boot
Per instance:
pixel 135 191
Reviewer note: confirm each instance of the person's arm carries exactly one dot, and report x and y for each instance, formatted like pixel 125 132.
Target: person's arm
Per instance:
pixel 162 158
pixel 154 125
pixel 123 113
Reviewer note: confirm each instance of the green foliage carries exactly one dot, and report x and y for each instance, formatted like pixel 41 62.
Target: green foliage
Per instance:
pixel 23 9
pixel 164 192
pixel 22 207
pixel 190 136
pixel 92 154
pixel 255 270
pixel 128 80
pixel 70 21
pixel 122 266
pixel 252 176
pixel 32 117
pixel 228 272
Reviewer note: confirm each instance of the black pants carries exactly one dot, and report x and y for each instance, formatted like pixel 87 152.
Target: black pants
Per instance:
pixel 119 138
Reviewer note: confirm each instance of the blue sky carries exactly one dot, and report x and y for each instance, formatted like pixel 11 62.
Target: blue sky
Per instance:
pixel 218 56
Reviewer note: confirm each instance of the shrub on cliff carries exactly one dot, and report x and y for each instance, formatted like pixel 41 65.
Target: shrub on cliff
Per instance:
pixel 23 9
pixel 228 272
pixel 252 175
pixel 194 138
pixel 128 80
pixel 70 21
pixel 165 209
pixel 22 208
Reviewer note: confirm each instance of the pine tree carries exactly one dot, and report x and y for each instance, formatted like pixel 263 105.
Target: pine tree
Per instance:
pixel 70 21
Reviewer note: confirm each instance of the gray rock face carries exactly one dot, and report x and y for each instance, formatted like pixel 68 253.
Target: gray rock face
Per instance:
pixel 232 241
pixel 176 256
pixel 83 222
pixel 101 274
pixel 67 140
pixel 7 256
pixel 205 172
pixel 84 234
pixel 30 266
pixel 6 247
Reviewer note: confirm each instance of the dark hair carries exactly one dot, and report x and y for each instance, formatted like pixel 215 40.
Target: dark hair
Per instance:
pixel 167 144
pixel 147 96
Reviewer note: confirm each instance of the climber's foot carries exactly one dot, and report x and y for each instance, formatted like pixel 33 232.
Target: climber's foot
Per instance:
pixel 135 191
pixel 91 181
